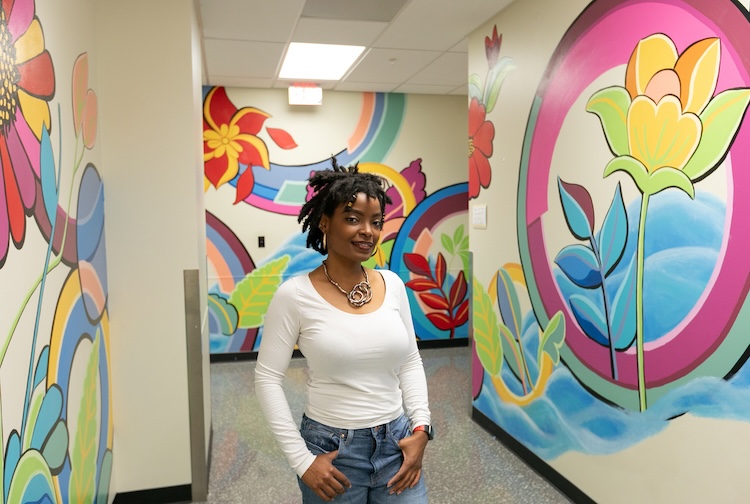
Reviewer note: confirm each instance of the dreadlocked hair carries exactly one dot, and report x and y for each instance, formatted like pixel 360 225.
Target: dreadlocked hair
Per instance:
pixel 330 189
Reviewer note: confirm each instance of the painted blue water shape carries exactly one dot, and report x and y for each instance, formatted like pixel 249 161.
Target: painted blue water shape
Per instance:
pixel 681 255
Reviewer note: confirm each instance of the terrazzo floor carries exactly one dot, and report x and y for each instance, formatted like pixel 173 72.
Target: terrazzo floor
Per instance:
pixel 464 464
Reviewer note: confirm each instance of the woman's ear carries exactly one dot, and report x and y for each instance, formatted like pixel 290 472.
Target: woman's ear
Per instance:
pixel 323 225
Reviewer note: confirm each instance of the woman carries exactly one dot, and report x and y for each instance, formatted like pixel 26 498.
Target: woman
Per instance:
pixel 367 420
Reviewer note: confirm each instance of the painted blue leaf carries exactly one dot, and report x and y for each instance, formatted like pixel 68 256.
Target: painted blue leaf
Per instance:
pixel 41 366
pixel 48 416
pixel 12 456
pixel 578 209
pixel 579 264
pixel 508 303
pixel 590 318
pixel 48 179
pixel 623 311
pixel 614 233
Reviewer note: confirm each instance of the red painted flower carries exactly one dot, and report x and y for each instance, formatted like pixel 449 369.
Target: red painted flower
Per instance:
pixel 492 47
pixel 481 135
pixel 27 83
pixel 230 139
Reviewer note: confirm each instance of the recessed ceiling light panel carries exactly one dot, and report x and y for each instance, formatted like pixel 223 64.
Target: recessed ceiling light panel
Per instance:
pixel 316 62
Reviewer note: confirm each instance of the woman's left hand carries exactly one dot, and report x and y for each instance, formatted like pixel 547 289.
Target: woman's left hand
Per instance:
pixel 411 469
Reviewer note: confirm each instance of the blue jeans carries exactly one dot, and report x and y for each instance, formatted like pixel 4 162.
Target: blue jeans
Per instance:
pixel 368 457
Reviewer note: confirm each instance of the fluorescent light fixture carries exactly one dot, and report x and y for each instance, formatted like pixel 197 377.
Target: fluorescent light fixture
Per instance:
pixel 305 94
pixel 318 61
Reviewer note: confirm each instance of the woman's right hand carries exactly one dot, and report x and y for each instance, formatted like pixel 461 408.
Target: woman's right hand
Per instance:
pixel 324 479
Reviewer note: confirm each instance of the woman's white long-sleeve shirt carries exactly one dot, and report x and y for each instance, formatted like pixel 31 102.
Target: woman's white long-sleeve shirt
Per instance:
pixel 364 369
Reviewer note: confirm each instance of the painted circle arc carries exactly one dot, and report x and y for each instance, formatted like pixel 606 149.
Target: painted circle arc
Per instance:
pixel 601 39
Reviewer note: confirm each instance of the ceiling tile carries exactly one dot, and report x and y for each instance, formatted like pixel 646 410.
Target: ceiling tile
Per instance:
pixel 246 82
pixel 362 10
pixel 329 31
pixel 423 89
pixel 250 19
pixel 239 58
pixel 366 87
pixel 391 65
pixel 450 69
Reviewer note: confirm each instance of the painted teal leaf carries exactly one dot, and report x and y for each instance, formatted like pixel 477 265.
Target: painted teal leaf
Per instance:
pixel 105 477
pixel 578 209
pixel 486 332
pixel 721 119
pixel 507 301
pixel 48 416
pixel 48 179
pixel 475 87
pixel 83 451
pixel 41 366
pixel 611 106
pixel 590 318
pixel 614 233
pixel 665 178
pixel 224 312
pixel 32 481
pixel 632 167
pixel 580 265
pixel 12 456
pixel 55 447
pixel 623 320
pixel 511 351
pixel 552 338
pixel 495 80
pixel 252 294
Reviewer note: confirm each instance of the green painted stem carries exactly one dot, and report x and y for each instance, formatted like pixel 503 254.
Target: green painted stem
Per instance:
pixel 639 303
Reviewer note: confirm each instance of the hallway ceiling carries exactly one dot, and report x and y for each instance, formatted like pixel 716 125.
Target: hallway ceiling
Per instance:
pixel 412 46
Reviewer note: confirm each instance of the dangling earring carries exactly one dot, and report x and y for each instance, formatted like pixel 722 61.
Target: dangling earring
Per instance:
pixel 325 244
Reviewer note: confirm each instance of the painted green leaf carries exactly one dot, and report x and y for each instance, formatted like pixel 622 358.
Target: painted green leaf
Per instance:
pixel 32 480
pixel 632 167
pixel 553 338
pixel 667 177
pixel 611 106
pixel 486 337
pixel 445 240
pixel 507 301
pixel 55 446
pixel 252 295
pixel 105 476
pixel 458 234
pixel 83 455
pixel 475 87
pixel 42 363
pixel 35 405
pixel 465 256
pixel 495 80
pixel 721 119
pixel 224 312
pixel 512 352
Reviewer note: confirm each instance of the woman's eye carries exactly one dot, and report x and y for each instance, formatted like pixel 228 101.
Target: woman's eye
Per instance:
pixel 377 224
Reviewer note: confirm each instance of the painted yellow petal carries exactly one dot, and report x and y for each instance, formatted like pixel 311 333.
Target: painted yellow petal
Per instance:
pixel 232 168
pixel 661 135
pixel 35 111
pixel 651 54
pixel 207 108
pixel 208 156
pixel 30 44
pixel 260 146
pixel 698 68
pixel 211 136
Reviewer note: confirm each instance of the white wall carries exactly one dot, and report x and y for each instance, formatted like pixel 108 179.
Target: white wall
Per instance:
pixel 150 110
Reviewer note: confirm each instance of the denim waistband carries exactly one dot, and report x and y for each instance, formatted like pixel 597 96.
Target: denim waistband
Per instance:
pixel 348 434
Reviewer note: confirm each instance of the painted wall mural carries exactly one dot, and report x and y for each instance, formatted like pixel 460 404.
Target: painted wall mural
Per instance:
pixel 628 306
pixel 55 405
pixel 424 239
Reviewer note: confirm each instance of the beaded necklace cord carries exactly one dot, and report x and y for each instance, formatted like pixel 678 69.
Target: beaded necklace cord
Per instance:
pixel 360 294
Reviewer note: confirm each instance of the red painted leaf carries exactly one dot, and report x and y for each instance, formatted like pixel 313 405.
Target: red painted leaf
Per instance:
pixel 281 138
pixel 440 268
pixel 434 301
pixel 462 315
pixel 418 264
pixel 458 290
pixel 421 284
pixel 441 321
pixel 245 185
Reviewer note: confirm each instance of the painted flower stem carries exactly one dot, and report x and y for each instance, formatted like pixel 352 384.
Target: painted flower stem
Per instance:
pixel 639 303
pixel 605 298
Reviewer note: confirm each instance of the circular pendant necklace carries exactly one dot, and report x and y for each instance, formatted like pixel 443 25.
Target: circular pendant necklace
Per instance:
pixel 360 294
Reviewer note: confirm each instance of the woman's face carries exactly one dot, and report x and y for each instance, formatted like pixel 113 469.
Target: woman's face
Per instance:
pixel 353 230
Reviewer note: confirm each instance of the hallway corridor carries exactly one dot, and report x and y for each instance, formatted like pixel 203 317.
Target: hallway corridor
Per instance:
pixel 464 464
